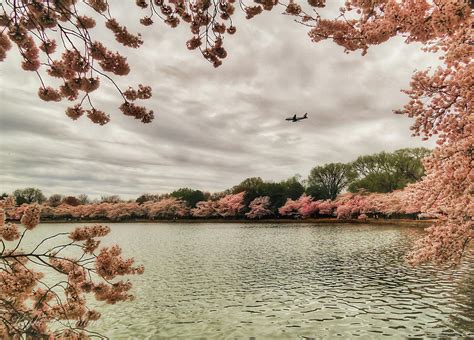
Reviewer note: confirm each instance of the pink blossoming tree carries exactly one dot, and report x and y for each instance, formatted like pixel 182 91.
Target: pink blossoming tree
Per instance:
pixel 302 207
pixel 29 305
pixel 259 207
pixel 231 205
pixel 290 208
pixel 166 208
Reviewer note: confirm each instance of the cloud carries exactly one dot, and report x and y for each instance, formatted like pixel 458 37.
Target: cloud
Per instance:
pixel 213 127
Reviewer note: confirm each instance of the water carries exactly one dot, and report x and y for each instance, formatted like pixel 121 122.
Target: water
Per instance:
pixel 233 281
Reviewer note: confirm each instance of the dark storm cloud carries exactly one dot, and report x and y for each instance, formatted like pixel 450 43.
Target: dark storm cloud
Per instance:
pixel 213 127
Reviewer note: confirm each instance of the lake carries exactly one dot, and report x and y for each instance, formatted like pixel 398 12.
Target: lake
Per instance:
pixel 238 281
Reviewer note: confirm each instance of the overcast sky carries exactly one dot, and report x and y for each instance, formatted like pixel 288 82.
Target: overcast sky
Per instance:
pixel 213 127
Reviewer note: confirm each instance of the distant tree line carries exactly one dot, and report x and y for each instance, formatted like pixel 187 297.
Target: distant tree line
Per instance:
pixel 377 173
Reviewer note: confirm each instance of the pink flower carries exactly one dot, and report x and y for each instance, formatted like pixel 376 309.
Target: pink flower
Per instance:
pixel 31 216
pixel 9 232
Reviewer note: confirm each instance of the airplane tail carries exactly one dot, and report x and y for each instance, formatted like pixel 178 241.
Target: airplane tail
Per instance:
pixel 305 115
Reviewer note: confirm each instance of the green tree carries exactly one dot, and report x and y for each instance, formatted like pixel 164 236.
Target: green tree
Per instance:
pixel 375 173
pixel 110 199
pixel 277 192
pixel 55 200
pixel 247 184
pixel 408 163
pixel 190 196
pixel 331 178
pixel 28 196
pixel 83 198
pixel 316 192
pixel 377 182
pixel 294 189
pixel 146 198
pixel 385 172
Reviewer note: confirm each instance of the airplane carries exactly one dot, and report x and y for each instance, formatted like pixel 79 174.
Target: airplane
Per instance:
pixel 295 119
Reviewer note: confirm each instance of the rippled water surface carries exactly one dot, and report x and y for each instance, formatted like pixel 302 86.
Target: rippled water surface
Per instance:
pixel 232 281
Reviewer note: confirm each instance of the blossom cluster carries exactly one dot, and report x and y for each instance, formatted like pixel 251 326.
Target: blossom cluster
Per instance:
pixel 42 29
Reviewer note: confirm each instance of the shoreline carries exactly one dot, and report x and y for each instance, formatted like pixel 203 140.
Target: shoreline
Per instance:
pixel 401 222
